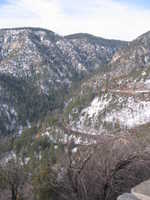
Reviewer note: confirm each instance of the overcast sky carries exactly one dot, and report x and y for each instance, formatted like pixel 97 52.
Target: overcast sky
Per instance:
pixel 118 19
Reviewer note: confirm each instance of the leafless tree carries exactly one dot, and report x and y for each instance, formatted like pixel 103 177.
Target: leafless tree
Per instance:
pixel 12 178
pixel 106 170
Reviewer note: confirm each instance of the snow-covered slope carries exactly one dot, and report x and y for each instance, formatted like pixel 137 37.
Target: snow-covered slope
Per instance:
pixel 37 66
pixel 120 99
pixel 110 111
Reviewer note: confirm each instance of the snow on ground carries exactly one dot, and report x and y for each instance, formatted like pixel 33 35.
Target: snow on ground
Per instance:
pixel 126 112
pixel 28 124
pixel 97 105
pixel 91 114
pixel 147 83
pixel 7 157
pixel 132 114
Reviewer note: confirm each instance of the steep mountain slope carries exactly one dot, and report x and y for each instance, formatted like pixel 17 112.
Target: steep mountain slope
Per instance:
pixel 37 66
pixel 95 51
pixel 119 101
pixel 134 57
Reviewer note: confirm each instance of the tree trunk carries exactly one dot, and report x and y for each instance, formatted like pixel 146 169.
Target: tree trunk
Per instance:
pixel 13 193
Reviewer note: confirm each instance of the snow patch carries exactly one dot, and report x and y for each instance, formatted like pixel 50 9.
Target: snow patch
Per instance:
pixel 133 114
pixel 97 105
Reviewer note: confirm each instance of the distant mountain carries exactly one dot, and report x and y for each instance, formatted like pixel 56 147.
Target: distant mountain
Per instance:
pixel 97 40
pixel 133 57
pixel 37 66
pixel 95 51
pixel 119 100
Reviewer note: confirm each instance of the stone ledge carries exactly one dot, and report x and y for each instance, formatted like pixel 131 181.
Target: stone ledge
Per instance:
pixel 142 191
pixel 139 192
pixel 127 196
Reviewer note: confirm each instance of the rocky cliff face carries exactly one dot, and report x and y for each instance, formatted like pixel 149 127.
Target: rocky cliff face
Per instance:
pixel 36 64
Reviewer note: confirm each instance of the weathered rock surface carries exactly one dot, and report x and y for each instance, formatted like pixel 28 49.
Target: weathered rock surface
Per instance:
pixel 142 191
pixel 127 196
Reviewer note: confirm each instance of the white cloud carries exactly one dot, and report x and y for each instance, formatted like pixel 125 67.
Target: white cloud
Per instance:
pixel 106 18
